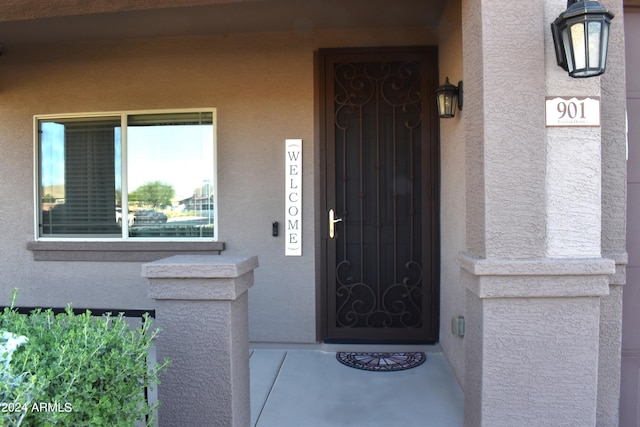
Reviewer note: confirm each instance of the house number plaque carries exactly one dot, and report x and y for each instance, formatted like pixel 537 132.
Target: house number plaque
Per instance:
pixel 572 111
pixel 293 197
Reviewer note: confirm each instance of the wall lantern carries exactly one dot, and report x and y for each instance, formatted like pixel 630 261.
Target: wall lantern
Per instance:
pixel 448 96
pixel 581 38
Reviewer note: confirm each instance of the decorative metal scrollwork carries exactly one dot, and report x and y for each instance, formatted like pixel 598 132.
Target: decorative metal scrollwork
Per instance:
pixel 377 131
pixel 398 306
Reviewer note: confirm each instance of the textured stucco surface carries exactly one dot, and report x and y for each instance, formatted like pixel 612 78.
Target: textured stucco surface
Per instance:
pixel 262 88
pixel 535 343
pixel 514 138
pixel 531 359
pixel 573 193
pixel 516 203
pixel 630 364
pixel 533 267
pixel 614 203
pixel 208 380
pixel 473 364
pixel 474 110
pixel 202 310
pixel 452 191
pixel 29 9
pixel 609 362
pixel 200 266
pixel 613 119
pixel 511 118
pixel 573 185
pixel 542 362
pixel 201 288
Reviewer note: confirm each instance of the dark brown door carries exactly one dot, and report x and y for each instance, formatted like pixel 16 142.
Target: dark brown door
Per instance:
pixel 380 147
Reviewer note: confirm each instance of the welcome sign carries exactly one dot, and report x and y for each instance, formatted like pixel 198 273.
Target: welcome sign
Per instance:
pixel 293 197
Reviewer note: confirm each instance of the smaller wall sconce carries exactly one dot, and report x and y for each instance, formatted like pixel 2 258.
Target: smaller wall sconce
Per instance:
pixel 448 97
pixel 581 38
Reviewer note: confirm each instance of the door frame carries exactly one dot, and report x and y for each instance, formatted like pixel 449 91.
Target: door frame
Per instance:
pixel 322 182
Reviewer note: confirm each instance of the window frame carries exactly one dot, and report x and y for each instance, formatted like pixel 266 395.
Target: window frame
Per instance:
pixel 123 115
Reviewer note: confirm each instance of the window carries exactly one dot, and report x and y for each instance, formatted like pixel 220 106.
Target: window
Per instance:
pixel 131 175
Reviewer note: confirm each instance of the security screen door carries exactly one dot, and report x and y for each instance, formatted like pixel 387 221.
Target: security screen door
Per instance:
pixel 380 232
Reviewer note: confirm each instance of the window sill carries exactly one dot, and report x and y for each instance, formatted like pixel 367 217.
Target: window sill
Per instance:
pixel 118 251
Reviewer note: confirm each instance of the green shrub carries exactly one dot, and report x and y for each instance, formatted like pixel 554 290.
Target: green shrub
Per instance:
pixel 14 387
pixel 78 370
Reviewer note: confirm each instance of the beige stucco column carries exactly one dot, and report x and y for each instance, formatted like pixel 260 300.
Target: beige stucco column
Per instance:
pixel 202 313
pixel 614 206
pixel 534 269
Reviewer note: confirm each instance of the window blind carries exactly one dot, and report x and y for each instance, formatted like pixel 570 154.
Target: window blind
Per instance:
pixel 89 181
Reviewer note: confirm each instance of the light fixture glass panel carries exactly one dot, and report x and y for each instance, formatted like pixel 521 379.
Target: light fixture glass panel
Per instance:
pixel 447 104
pixel 578 40
pixel 567 49
pixel 605 45
pixel 594 43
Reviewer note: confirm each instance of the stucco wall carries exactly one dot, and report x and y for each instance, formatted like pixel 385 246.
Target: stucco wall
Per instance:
pixel 262 87
pixel 541 201
pixel 630 366
pixel 614 202
pixel 452 191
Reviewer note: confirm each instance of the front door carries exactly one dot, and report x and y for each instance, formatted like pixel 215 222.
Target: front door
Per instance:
pixel 380 205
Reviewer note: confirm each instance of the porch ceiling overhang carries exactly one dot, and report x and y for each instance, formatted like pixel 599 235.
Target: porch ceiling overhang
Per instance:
pixel 55 21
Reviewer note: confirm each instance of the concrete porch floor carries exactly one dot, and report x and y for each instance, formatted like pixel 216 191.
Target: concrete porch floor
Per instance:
pixel 293 388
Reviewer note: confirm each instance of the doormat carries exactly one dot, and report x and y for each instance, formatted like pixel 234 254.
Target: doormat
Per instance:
pixel 381 361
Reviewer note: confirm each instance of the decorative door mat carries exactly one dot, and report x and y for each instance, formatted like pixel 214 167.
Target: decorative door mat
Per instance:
pixel 381 361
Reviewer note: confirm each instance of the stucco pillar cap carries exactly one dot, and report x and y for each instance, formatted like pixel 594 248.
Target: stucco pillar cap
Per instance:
pixel 536 267
pixel 199 266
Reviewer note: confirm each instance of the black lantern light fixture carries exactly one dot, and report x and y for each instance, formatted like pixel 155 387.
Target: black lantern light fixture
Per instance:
pixel 448 97
pixel 581 38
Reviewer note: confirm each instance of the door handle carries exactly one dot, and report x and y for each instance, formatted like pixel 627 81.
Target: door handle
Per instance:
pixel 332 221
